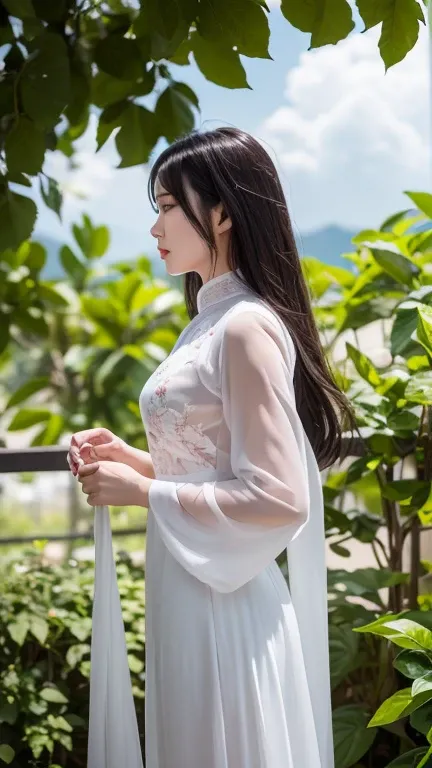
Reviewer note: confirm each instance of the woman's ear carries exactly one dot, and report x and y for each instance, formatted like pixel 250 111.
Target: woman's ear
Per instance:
pixel 221 220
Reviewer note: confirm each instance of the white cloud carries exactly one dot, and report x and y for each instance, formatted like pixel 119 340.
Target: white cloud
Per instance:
pixel 351 138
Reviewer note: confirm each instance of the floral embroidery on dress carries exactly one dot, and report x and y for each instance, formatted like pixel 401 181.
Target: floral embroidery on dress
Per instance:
pixel 178 446
pixel 219 288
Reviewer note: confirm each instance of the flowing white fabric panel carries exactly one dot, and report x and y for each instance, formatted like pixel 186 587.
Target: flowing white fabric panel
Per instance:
pixel 113 728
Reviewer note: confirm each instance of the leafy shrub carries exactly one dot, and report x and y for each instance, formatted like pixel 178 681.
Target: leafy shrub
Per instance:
pixel 45 633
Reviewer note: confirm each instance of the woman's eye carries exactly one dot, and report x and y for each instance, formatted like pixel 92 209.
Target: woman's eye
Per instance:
pixel 167 207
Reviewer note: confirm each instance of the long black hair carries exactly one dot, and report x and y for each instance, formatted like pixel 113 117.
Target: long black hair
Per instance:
pixel 229 166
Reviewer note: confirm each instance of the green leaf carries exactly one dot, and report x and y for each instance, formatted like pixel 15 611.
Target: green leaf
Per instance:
pixel 137 135
pixel 357 469
pixel 399 32
pixel 81 629
pixel 173 112
pixel 408 759
pixel 22 9
pixel 39 628
pixel 135 665
pixel 4 333
pixel 404 421
pixel 182 53
pixel 344 658
pixel 422 684
pixel 339 550
pixel 25 147
pixel 51 194
pixel 28 418
pixel 395 264
pixel 26 390
pixel 363 365
pixel 412 664
pixel 423 201
pixel 364 582
pixel 9 712
pixel 17 216
pixel 392 708
pixel 51 296
pixel 49 11
pixel 400 490
pixel 34 255
pixel 19 178
pixel 239 23
pixel 52 431
pixel 328 21
pixel 53 695
pixel 45 82
pixel 188 93
pixel 425 762
pixel 219 63
pixel 401 704
pixel 352 737
pixel 106 90
pixel 403 328
pixel 76 653
pixel 419 388
pixel 7 754
pixel 402 632
pixel 93 241
pixel 421 719
pixel 78 107
pixel 424 327
pixel 18 629
pixel 109 120
pixel 119 57
pixel 59 723
pixel 72 264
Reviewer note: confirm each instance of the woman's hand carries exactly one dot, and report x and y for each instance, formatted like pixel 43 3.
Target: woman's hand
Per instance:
pixel 93 444
pixel 113 484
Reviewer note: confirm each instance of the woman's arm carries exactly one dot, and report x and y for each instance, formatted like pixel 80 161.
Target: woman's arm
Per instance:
pixel 140 461
pixel 225 531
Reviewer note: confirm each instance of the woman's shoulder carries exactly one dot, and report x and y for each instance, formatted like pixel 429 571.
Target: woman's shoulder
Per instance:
pixel 256 319
pixel 250 321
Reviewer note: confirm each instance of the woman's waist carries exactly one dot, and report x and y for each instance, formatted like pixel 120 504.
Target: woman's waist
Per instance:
pixel 201 475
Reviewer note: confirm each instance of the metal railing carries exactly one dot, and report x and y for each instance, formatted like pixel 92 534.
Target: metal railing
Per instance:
pixel 52 458
pixel 47 458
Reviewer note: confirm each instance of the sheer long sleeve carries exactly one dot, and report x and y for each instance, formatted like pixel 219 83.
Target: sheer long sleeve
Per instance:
pixel 225 532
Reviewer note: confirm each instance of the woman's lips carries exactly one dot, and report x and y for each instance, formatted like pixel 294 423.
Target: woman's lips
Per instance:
pixel 163 252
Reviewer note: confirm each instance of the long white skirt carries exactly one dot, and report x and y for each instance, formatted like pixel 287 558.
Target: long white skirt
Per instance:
pixel 226 684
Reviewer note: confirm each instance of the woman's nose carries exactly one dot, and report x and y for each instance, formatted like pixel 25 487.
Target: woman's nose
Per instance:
pixel 156 229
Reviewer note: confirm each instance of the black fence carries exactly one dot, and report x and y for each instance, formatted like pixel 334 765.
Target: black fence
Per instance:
pixel 47 458
pixel 52 458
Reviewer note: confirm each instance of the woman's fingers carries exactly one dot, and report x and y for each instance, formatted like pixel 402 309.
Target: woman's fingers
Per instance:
pixel 94 436
pixel 90 452
pixel 87 469
pixel 85 473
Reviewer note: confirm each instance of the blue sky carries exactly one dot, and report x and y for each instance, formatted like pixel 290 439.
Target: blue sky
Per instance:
pixel 347 139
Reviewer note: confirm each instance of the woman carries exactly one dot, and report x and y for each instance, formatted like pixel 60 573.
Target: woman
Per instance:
pixel 239 419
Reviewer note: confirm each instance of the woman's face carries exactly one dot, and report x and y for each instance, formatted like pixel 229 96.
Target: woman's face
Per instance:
pixel 179 244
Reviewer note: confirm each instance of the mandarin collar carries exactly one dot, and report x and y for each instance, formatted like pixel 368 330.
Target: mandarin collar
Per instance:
pixel 220 288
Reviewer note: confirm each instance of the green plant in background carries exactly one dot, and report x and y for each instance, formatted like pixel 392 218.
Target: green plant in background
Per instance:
pixel 45 629
pixel 415 663
pixel 83 346
pixel 390 287
pixel 68 57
